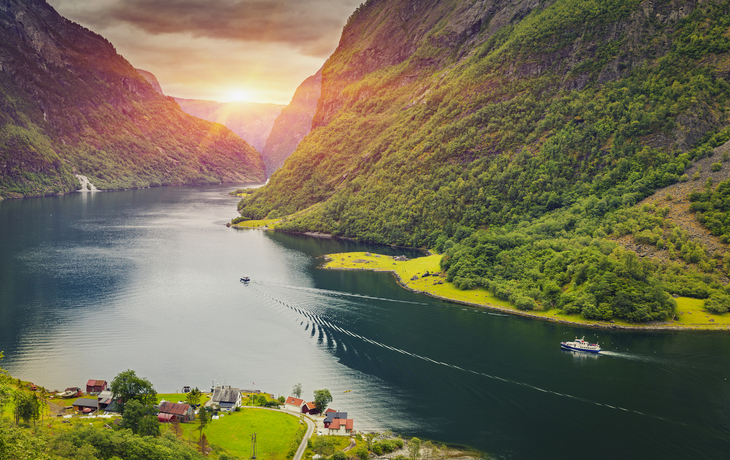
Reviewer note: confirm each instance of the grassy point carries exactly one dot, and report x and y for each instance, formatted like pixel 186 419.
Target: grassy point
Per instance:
pixel 690 313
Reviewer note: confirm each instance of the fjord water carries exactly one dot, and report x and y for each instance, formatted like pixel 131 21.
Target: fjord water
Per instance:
pixel 93 284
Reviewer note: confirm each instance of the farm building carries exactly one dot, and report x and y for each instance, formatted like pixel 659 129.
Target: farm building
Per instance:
pixel 169 410
pixel 85 405
pixel 96 386
pixel 293 404
pixel 227 398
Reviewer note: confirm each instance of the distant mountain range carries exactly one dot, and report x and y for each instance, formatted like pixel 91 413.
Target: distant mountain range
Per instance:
pixel 250 120
pixel 71 104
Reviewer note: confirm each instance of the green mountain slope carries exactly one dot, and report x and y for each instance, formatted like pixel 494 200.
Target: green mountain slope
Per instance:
pixel 490 130
pixel 70 104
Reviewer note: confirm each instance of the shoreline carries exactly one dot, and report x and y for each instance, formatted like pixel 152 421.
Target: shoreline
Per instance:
pixel 328 260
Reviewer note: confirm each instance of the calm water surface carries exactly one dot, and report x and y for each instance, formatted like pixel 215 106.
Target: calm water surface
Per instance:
pixel 93 284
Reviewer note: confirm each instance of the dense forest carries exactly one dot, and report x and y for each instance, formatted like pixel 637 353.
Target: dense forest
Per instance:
pixel 69 104
pixel 517 139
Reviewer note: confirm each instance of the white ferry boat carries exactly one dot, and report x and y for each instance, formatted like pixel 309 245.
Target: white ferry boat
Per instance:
pixel 581 345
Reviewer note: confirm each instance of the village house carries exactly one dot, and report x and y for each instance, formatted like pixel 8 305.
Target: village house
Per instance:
pixel 104 398
pixel 226 398
pixel 293 404
pixel 94 387
pixel 85 405
pixel 169 411
pixel 310 408
pixel 341 427
pixel 332 415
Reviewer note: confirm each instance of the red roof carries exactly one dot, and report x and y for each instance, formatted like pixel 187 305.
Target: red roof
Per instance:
pixel 338 422
pixel 310 406
pixel 294 401
pixel 165 418
pixel 174 408
pixel 329 410
pixel 93 383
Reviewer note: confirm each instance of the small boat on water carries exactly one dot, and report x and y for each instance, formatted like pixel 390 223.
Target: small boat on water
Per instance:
pixel 581 345
pixel 245 279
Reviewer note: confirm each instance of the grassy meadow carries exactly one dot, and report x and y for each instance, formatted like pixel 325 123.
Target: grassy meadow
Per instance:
pixel 690 312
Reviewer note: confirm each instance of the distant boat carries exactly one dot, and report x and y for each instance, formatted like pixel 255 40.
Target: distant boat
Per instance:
pixel 347 391
pixel 581 345
pixel 245 279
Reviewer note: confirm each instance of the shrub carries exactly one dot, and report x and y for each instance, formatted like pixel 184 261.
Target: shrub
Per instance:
pixel 718 304
pixel 716 167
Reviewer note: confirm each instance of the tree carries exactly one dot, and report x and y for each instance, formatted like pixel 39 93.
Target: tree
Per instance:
pixel 193 397
pixel 414 449
pixel 297 390
pixel 321 399
pixel 141 419
pixel 27 407
pixel 202 420
pixel 126 387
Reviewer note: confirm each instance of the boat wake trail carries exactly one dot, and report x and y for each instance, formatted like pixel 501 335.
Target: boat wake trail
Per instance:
pixel 322 323
pixel 338 293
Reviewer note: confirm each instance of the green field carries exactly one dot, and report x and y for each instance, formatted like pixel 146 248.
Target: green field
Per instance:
pixel 689 311
pixel 275 433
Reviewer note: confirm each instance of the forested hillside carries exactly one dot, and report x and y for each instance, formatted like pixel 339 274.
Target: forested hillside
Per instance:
pixel 70 104
pixel 517 137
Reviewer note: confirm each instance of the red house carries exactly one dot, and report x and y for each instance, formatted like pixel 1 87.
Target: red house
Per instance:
pixel 96 386
pixel 310 408
pixel 168 411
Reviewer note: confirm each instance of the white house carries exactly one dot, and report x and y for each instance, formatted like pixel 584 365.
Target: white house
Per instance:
pixel 294 404
pixel 226 397
pixel 341 427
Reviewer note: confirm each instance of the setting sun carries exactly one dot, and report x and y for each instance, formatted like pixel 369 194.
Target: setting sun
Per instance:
pixel 238 95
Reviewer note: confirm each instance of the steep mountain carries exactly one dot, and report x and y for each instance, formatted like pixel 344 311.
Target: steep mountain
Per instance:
pixel 516 137
pixel 250 120
pixel 71 104
pixel 294 122
pixel 151 79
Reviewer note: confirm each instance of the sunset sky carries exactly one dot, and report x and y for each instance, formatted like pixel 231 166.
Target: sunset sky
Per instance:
pixel 222 50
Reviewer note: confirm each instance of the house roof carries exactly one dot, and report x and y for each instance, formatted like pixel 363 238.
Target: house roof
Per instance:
pixel 294 401
pixel 229 395
pixel 329 410
pixel 163 417
pixel 334 415
pixel 310 405
pixel 93 383
pixel 338 422
pixel 174 408
pixel 84 402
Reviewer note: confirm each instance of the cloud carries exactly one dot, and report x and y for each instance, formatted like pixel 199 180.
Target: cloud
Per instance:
pixel 312 27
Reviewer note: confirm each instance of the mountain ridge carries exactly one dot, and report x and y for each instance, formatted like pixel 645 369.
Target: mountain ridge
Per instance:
pixel 72 104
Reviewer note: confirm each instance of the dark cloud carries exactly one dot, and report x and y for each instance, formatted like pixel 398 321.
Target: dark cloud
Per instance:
pixel 311 26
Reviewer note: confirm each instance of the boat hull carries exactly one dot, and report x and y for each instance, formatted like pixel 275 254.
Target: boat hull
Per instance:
pixel 569 347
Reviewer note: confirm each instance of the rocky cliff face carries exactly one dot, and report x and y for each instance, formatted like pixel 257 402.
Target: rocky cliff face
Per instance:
pixel 151 79
pixel 294 122
pixel 73 105
pixel 250 120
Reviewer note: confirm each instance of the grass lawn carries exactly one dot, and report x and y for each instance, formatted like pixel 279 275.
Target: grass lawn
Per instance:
pixel 690 313
pixel 271 223
pixel 179 397
pixel 275 433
